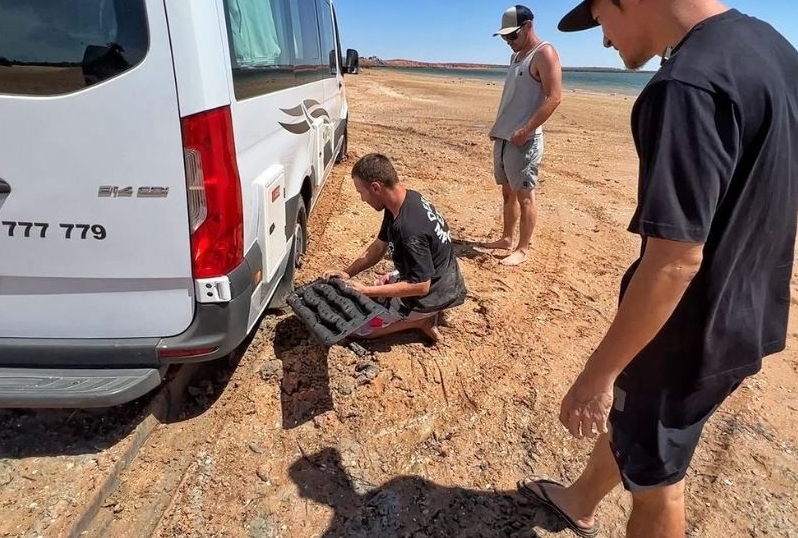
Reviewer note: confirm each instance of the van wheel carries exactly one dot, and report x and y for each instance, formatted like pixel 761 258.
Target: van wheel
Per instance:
pixel 300 235
pixel 344 146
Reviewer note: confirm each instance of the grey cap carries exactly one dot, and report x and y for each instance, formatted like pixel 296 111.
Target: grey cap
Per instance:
pixel 578 19
pixel 513 18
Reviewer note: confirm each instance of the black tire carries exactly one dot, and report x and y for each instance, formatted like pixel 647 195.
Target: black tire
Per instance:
pixel 300 235
pixel 344 146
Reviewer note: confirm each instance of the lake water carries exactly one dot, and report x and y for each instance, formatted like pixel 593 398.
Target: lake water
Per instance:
pixel 624 82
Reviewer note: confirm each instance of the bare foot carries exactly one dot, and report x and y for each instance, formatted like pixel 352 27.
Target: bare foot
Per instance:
pixel 498 244
pixel 516 258
pixel 430 329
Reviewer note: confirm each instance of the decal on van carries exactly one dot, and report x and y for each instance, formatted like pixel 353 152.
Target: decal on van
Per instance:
pixel 308 111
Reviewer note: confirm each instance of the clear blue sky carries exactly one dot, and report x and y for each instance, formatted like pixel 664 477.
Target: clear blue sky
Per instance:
pixel 461 31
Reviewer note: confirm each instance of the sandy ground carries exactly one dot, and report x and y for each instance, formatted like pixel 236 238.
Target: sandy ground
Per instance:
pixel 417 441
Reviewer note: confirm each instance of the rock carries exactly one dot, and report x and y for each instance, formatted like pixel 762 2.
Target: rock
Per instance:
pixel 255 448
pixel 368 373
pixel 263 472
pixel 5 475
pixel 271 370
pixel 346 386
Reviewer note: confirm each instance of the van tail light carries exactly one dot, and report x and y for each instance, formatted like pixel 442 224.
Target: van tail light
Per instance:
pixel 216 214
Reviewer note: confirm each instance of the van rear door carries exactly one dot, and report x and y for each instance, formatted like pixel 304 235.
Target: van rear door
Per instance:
pixel 94 233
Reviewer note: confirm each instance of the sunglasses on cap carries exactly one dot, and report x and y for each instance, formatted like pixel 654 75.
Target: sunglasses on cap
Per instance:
pixel 514 35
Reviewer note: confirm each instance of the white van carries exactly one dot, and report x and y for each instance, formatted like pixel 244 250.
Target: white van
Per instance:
pixel 158 162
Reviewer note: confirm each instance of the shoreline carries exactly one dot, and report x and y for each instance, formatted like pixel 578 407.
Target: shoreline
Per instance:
pixel 623 94
pixel 455 74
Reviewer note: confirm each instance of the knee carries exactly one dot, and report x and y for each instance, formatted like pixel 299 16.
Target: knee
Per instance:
pixel 508 195
pixel 658 499
pixel 526 200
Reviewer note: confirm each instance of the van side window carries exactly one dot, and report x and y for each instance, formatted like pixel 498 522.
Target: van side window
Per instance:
pixel 341 61
pixel 327 38
pixel 275 44
pixel 52 47
pixel 307 50
pixel 260 36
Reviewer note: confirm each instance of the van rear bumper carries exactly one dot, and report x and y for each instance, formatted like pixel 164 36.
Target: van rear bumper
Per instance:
pixel 48 372
pixel 59 388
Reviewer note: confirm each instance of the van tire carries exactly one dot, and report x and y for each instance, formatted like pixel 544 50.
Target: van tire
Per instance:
pixel 344 147
pixel 300 235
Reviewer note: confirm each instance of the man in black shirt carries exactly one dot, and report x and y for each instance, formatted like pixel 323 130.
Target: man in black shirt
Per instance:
pixel 427 278
pixel 716 132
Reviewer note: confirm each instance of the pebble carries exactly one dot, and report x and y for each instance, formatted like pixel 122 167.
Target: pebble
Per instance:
pixel 263 472
pixel 5 475
pixel 346 386
pixel 271 370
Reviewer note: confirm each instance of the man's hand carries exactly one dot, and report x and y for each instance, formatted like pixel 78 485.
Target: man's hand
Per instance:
pixel 520 137
pixel 357 286
pixel 586 407
pixel 327 275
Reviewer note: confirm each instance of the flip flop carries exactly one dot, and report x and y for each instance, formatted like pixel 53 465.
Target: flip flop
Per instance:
pixel 544 500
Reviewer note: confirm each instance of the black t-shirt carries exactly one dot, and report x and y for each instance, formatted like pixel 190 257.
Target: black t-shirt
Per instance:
pixel 421 248
pixel 716 131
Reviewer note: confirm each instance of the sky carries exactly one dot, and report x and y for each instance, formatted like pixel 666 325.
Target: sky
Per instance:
pixel 461 30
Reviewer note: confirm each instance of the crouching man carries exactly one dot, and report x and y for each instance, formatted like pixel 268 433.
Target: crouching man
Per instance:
pixel 427 277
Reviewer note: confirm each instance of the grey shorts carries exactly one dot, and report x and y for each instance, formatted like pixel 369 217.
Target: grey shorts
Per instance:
pixel 517 166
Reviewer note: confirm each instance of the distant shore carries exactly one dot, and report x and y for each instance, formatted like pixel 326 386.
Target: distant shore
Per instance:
pixel 371 62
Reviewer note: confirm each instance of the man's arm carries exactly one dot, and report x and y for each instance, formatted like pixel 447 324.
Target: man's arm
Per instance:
pixel 550 74
pixel 657 286
pixel 367 259
pixel 418 279
pixel 397 289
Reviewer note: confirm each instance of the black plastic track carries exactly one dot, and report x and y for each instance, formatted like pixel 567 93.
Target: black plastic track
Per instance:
pixel 331 311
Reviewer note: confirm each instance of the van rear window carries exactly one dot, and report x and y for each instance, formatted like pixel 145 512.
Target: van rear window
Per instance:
pixel 51 47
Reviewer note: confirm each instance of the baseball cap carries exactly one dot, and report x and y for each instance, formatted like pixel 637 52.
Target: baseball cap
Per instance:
pixel 578 19
pixel 512 19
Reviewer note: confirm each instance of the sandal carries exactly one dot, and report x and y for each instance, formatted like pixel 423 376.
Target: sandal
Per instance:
pixel 543 499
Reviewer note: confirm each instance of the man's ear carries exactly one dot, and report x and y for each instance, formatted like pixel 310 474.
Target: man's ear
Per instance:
pixel 376 187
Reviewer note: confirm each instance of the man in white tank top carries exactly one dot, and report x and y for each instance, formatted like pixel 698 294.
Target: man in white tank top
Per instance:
pixel 532 91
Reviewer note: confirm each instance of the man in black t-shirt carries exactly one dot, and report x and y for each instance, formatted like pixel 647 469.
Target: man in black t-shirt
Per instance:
pixel 427 277
pixel 716 132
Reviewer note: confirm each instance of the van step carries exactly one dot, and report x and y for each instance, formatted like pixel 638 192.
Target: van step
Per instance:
pixel 62 387
pixel 331 310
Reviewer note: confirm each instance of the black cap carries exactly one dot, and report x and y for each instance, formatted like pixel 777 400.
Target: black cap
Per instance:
pixel 578 19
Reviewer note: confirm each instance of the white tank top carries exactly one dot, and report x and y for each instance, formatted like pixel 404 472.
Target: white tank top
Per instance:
pixel 521 97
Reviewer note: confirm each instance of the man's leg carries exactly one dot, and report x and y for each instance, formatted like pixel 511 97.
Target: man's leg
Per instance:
pixel 427 325
pixel 510 209
pixel 655 431
pixel 658 513
pixel 511 212
pixel 580 500
pixel 529 216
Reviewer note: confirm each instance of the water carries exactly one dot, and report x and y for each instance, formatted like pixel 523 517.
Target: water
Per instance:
pixel 623 82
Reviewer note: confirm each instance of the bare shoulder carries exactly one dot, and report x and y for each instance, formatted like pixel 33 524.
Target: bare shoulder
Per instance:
pixel 547 53
pixel 546 61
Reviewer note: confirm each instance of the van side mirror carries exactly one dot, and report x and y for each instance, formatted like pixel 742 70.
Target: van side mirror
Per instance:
pixel 352 62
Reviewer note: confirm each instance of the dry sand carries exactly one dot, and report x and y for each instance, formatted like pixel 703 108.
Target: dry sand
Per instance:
pixel 429 442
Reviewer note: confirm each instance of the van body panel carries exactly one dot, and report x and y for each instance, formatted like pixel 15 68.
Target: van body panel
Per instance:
pixel 201 68
pixel 97 294
pixel 101 177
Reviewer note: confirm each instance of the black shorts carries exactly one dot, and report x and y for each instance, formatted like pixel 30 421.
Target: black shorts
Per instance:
pixel 655 430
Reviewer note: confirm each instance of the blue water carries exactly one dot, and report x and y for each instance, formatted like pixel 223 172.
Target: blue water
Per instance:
pixel 623 82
